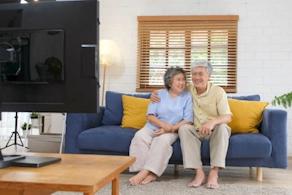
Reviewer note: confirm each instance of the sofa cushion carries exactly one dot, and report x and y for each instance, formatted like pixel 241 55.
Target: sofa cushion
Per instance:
pixel 247 115
pixel 113 113
pixel 135 110
pixel 249 145
pixel 110 138
pixel 248 97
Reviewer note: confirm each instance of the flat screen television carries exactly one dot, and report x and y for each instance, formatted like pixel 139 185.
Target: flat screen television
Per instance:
pixel 49 56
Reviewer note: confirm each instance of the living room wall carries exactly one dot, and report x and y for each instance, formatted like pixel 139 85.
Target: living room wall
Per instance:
pixel 264 41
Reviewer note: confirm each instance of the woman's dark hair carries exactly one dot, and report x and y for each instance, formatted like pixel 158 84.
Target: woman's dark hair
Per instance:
pixel 170 73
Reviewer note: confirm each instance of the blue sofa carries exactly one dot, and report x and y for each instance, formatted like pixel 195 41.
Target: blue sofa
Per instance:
pixel 101 133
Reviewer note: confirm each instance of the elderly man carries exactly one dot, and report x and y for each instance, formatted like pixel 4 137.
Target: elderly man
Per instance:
pixel 211 115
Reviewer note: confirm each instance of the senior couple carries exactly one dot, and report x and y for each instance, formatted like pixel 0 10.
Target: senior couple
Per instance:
pixel 195 112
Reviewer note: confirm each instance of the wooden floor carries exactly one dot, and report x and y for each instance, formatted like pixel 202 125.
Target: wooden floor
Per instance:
pixel 230 175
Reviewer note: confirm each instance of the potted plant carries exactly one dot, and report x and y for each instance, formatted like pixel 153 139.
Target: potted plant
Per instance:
pixel 285 100
pixel 24 126
pixel 34 119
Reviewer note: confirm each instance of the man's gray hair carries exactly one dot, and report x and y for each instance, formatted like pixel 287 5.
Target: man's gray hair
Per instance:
pixel 204 63
pixel 170 73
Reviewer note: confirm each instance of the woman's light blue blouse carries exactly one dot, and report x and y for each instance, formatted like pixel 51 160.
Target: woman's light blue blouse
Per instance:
pixel 171 110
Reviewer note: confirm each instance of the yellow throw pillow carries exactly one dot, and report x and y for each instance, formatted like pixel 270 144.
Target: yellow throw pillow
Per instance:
pixel 134 112
pixel 247 115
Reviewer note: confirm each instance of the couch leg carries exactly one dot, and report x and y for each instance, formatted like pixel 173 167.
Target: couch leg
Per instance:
pixel 259 174
pixel 176 168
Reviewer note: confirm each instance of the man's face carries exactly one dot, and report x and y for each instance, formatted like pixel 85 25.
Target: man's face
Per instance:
pixel 200 77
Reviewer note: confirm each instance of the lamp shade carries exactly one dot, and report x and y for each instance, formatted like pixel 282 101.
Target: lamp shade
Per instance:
pixel 109 53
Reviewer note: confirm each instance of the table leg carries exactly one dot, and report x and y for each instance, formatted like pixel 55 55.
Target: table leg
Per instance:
pixel 116 186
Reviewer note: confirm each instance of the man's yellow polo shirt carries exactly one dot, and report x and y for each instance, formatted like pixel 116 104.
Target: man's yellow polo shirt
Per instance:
pixel 209 105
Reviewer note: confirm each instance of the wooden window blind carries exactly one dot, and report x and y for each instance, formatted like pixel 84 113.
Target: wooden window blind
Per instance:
pixel 165 41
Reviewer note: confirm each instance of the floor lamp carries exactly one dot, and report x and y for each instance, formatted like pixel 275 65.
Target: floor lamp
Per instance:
pixel 109 54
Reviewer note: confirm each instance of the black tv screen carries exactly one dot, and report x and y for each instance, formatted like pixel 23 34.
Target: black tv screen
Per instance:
pixel 49 56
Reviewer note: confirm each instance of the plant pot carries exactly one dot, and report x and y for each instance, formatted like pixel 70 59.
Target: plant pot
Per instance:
pixel 24 131
pixel 35 122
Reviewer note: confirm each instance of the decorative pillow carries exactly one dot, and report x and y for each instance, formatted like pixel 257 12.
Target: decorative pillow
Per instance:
pixel 135 110
pixel 255 97
pixel 247 115
pixel 113 113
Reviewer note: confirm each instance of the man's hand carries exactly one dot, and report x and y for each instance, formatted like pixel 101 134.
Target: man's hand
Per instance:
pixel 207 127
pixel 154 97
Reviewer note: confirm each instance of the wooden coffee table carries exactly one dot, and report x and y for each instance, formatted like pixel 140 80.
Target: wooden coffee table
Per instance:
pixel 75 172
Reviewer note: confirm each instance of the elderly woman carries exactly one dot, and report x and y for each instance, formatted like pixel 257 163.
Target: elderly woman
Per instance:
pixel 152 144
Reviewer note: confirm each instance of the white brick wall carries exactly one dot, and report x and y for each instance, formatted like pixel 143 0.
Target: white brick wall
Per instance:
pixel 264 42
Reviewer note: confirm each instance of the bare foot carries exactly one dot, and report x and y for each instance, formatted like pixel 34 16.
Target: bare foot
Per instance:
pixel 149 178
pixel 199 180
pixel 212 179
pixel 136 180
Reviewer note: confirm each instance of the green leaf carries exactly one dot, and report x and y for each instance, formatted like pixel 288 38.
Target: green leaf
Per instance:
pixel 285 100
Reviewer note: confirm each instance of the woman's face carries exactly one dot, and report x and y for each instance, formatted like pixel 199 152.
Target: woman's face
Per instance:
pixel 178 83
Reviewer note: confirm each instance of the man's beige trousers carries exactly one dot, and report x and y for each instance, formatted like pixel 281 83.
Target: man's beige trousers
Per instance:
pixel 190 142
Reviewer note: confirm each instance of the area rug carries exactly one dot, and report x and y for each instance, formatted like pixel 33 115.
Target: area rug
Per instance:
pixel 178 187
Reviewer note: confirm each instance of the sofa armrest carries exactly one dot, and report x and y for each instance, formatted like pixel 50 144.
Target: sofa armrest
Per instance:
pixel 274 126
pixel 78 122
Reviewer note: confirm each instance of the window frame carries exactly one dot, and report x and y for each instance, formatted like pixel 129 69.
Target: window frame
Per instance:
pixel 144 41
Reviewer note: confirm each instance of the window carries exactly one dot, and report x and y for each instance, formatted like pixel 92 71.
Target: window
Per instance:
pixel 165 41
pixel 7 124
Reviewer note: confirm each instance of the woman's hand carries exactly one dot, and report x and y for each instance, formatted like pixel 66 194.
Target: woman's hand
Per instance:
pixel 168 127
pixel 154 98
pixel 165 129
pixel 160 131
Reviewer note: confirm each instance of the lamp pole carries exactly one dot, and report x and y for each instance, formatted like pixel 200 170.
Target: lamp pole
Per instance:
pixel 109 54
pixel 104 71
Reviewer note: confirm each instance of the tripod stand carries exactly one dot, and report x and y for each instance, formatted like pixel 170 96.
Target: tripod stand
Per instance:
pixel 16 135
